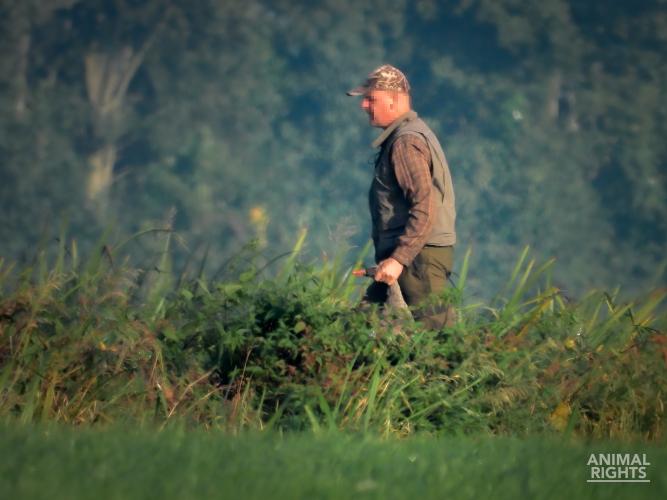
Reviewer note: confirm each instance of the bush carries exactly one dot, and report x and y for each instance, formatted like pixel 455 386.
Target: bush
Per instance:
pixel 90 344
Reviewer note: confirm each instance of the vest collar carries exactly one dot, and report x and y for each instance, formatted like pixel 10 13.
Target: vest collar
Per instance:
pixel 410 115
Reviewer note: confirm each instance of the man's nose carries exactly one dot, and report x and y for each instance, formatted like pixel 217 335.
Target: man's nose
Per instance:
pixel 364 104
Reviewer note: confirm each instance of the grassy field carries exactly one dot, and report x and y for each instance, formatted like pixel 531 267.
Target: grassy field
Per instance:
pixel 57 462
pixel 95 342
pixel 287 391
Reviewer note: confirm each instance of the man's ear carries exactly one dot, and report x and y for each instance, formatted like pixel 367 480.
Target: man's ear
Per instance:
pixel 393 101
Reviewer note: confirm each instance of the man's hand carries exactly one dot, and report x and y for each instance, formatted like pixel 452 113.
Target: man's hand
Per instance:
pixel 388 271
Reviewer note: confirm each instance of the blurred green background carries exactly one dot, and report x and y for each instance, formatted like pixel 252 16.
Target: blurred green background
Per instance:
pixel 229 120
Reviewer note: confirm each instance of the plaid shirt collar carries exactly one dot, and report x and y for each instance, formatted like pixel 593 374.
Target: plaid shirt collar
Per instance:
pixel 410 115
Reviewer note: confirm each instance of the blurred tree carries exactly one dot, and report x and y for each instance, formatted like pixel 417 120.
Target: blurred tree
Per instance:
pixel 550 113
pixel 530 114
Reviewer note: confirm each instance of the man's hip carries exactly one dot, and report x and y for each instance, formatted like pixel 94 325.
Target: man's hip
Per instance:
pixel 427 274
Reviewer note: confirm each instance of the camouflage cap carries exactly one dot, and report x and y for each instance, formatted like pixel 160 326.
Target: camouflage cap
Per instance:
pixel 386 77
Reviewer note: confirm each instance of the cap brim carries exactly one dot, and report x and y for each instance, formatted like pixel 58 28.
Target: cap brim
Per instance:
pixel 361 90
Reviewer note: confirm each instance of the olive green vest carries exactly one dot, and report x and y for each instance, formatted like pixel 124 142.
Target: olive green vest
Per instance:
pixel 388 206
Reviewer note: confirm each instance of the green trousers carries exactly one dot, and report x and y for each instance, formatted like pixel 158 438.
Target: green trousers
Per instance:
pixel 426 275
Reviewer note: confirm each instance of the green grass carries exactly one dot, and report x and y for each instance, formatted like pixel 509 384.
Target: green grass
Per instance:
pixel 261 384
pixel 90 341
pixel 54 462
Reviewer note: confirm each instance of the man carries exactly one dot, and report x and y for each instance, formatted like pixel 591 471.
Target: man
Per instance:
pixel 411 199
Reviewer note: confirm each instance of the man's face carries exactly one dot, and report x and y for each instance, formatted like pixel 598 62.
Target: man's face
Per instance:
pixel 380 106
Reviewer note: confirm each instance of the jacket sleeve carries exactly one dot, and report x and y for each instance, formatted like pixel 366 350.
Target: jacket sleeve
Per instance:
pixel 411 159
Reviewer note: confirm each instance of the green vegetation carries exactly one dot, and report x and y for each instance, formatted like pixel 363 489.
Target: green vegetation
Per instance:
pixel 222 122
pixel 282 347
pixel 60 463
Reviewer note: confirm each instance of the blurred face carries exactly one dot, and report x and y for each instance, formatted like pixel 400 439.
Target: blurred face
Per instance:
pixel 380 106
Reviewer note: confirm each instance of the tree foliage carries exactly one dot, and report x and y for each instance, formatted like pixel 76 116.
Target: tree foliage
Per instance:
pixel 234 114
